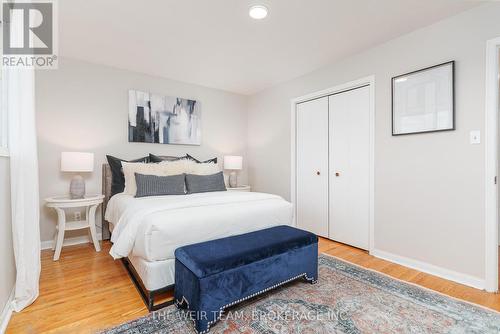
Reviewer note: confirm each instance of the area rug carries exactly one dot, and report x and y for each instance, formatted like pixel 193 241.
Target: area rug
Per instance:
pixel 346 299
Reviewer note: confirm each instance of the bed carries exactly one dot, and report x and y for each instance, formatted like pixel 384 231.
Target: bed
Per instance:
pixel 146 231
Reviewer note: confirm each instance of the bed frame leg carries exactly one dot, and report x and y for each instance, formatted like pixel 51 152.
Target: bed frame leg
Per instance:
pixel 151 302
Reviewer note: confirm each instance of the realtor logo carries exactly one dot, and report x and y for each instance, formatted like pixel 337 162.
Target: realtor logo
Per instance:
pixel 29 37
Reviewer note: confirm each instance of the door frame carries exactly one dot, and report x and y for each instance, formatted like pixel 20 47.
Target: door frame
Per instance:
pixel 366 81
pixel 491 156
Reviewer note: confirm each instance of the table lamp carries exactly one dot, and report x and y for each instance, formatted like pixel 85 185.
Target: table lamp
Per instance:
pixel 233 163
pixel 77 162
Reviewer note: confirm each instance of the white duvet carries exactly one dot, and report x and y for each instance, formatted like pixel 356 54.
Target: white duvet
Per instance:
pixel 153 227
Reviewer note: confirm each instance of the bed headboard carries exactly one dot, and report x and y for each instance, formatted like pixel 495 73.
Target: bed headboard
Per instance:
pixel 106 191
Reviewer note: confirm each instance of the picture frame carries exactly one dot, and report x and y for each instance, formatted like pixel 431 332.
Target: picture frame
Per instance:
pixel 423 101
pixel 162 119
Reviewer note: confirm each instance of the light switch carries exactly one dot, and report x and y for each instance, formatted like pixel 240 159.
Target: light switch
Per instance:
pixel 475 137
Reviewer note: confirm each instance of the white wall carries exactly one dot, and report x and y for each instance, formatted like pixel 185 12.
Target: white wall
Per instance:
pixel 429 188
pixel 8 268
pixel 84 107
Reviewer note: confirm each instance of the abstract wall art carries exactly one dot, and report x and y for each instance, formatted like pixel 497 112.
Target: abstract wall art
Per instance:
pixel 161 119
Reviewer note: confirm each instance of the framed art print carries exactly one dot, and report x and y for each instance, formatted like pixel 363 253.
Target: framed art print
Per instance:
pixel 160 119
pixel 424 101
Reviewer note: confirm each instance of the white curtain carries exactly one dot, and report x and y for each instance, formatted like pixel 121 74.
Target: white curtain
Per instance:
pixel 19 101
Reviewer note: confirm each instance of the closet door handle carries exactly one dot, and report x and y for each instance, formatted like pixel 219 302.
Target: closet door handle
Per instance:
pixel 337 174
pixel 318 173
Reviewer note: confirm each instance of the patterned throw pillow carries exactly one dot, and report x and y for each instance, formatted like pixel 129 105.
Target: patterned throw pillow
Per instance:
pixel 152 185
pixel 205 183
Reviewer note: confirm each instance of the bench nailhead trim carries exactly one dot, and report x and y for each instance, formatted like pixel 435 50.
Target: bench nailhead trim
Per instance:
pixel 221 310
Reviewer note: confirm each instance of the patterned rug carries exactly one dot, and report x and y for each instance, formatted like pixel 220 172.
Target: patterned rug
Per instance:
pixel 346 299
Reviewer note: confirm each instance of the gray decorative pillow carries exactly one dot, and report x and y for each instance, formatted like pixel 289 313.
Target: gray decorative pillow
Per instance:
pixel 152 185
pixel 205 183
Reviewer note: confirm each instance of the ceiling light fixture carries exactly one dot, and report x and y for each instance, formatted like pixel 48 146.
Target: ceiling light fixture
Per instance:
pixel 258 12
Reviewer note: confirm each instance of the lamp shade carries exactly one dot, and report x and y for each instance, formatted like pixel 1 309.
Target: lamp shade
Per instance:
pixel 77 162
pixel 233 162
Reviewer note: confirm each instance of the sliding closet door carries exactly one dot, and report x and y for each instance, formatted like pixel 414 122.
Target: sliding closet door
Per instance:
pixel 312 166
pixel 349 167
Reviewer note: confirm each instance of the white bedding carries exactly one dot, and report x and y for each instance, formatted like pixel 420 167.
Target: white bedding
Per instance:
pixel 153 227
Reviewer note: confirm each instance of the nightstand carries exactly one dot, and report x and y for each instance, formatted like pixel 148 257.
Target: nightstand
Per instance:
pixel 240 188
pixel 59 203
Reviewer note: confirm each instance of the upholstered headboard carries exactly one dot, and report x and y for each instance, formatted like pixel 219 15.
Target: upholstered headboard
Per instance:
pixel 106 191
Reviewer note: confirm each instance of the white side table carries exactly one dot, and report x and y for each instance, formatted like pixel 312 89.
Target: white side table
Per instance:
pixel 59 203
pixel 240 188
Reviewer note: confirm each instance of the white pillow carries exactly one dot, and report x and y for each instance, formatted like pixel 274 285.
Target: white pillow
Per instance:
pixel 177 167
pixel 165 168
pixel 190 167
pixel 204 168
pixel 129 170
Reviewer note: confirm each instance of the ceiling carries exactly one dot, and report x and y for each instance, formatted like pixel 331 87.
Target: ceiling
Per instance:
pixel 214 43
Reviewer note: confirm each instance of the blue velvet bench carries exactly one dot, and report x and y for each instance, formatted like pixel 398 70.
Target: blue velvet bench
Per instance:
pixel 213 275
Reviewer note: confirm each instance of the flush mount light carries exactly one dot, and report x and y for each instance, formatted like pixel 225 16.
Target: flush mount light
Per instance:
pixel 258 12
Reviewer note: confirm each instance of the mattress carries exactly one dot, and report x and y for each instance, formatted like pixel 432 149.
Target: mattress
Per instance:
pixel 151 228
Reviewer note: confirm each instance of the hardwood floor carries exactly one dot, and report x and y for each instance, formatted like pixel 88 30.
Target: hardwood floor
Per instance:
pixel 86 291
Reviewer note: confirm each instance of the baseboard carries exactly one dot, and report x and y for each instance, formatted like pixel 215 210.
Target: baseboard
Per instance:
pixel 6 313
pixel 451 275
pixel 84 239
